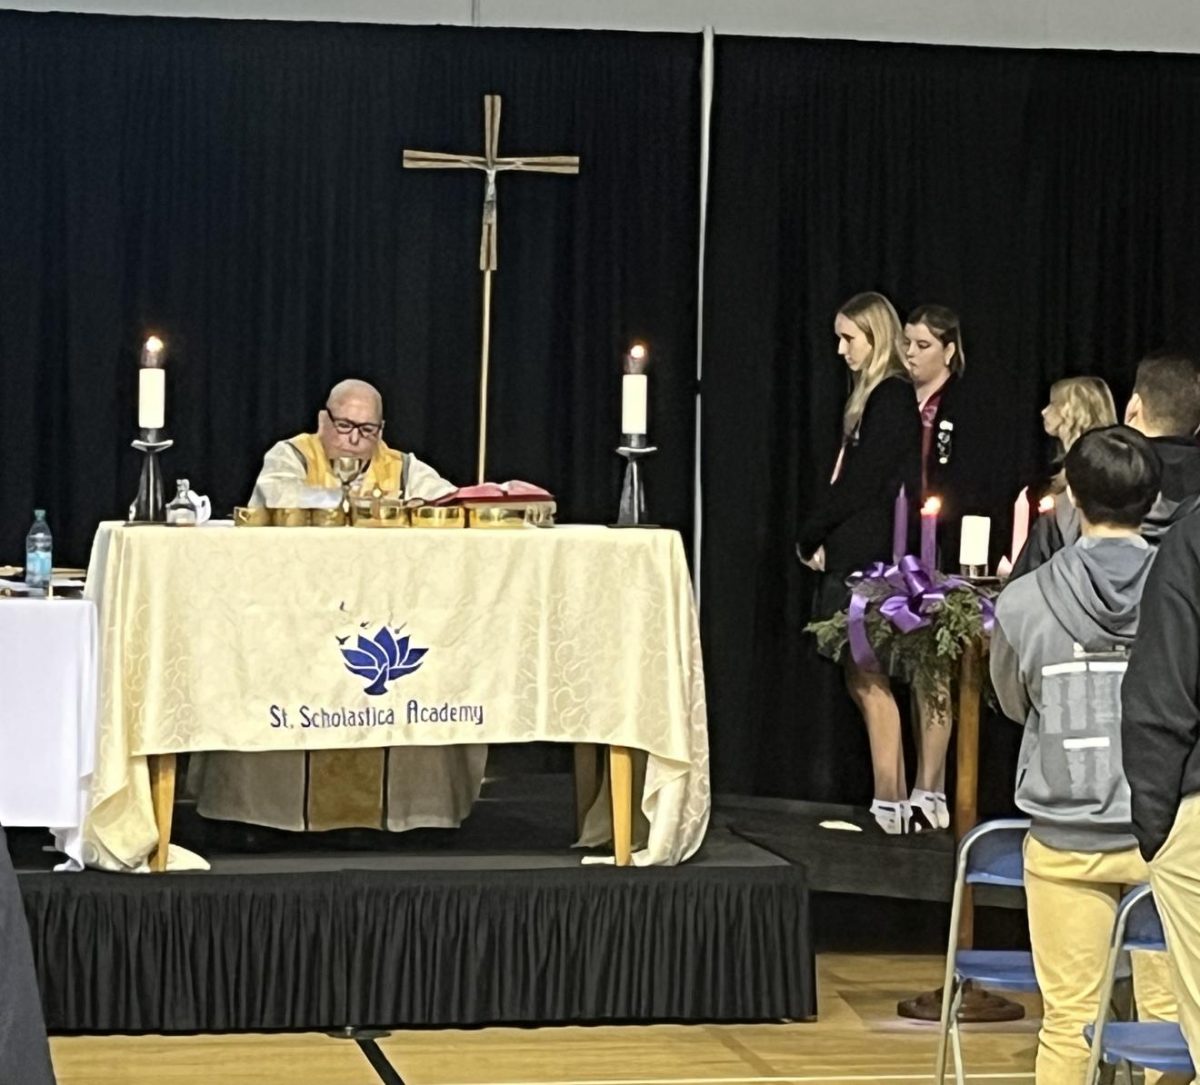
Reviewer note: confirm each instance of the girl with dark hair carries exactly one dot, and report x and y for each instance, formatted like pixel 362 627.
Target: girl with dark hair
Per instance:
pixel 934 357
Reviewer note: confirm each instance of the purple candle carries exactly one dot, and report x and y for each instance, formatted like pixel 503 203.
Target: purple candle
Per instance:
pixel 929 517
pixel 900 527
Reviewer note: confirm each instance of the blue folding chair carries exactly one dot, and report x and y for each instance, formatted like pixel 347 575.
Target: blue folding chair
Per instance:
pixel 990 854
pixel 1152 1045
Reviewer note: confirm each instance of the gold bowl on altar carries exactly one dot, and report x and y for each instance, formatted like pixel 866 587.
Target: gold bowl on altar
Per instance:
pixel 378 512
pixel 497 516
pixel 256 516
pixel 511 514
pixel 290 517
pixel 327 517
pixel 439 516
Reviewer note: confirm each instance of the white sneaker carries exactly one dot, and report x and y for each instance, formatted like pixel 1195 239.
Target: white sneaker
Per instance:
pixel 930 807
pixel 894 818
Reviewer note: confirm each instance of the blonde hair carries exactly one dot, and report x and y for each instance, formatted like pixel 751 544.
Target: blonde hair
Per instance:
pixel 1083 403
pixel 876 318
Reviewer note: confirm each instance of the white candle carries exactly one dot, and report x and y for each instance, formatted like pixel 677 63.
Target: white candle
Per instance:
pixel 152 398
pixel 973 540
pixel 152 386
pixel 633 403
pixel 1020 524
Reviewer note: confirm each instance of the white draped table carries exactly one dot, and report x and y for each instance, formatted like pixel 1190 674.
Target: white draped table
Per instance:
pixel 47 715
pixel 221 638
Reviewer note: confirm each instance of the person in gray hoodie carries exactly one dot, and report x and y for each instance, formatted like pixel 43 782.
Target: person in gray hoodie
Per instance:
pixel 1058 655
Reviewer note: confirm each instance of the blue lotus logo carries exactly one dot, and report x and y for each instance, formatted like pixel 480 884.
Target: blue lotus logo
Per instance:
pixel 382 659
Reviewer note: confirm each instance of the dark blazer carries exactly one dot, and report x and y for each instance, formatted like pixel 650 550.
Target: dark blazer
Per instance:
pixel 852 518
pixel 1160 723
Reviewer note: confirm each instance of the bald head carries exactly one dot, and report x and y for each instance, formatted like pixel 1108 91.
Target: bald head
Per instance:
pixel 350 406
pixel 355 389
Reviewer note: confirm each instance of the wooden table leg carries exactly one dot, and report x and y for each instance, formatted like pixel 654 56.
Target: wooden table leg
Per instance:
pixel 966 790
pixel 978 1004
pixel 162 793
pixel 587 780
pixel 620 778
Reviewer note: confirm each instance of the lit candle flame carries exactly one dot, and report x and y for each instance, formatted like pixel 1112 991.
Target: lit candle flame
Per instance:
pixel 932 506
pixel 154 344
pixel 636 359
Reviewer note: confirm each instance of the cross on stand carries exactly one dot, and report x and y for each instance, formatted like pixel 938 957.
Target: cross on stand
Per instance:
pixel 492 165
pixel 620 759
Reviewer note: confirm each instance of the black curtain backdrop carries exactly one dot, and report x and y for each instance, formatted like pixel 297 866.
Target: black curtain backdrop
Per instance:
pixel 237 188
pixel 1047 196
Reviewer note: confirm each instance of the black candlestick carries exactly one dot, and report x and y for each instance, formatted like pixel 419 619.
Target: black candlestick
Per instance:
pixel 148 506
pixel 633 449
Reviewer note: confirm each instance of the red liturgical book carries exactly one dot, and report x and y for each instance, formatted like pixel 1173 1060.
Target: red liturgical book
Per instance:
pixel 492 493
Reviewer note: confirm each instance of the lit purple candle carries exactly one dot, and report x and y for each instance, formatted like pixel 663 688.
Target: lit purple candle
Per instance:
pixel 900 527
pixel 929 518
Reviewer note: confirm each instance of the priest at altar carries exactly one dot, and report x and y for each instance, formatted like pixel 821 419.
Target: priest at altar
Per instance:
pixel 395 788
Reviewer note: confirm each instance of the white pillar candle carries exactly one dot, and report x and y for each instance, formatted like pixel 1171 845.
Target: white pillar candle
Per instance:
pixel 152 386
pixel 633 403
pixel 152 398
pixel 973 540
pixel 1020 530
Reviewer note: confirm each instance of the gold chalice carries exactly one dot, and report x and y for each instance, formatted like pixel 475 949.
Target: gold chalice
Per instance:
pixel 347 469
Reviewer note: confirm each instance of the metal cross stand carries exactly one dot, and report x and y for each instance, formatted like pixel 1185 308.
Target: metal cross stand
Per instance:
pixel 491 165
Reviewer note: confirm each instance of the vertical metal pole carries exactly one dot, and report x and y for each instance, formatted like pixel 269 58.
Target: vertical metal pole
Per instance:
pixel 483 373
pixel 706 95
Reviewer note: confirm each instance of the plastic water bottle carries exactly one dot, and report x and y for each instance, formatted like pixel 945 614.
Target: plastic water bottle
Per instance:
pixel 38 546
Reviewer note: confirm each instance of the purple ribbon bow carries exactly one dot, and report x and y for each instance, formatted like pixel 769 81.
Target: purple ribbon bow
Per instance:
pixel 908 594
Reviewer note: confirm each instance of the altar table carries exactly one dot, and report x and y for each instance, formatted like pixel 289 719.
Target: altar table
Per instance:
pixel 222 638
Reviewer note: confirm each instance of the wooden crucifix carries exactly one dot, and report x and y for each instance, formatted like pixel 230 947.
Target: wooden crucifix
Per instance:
pixel 492 165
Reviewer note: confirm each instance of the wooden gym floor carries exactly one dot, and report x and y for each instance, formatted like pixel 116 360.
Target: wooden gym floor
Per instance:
pixel 858 1039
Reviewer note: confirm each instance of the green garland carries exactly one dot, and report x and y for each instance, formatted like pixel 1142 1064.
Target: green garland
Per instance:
pixel 927 657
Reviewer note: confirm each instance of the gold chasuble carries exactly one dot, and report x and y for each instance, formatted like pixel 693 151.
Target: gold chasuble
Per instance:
pixel 385 470
pixel 395 788
pixel 346 787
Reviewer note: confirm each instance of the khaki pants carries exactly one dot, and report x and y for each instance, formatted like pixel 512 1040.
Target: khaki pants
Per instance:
pixel 1072 898
pixel 1175 877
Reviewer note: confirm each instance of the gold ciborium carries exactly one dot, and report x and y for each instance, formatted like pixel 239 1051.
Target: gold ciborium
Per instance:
pixel 379 512
pixel 327 517
pixel 439 516
pixel 290 517
pixel 254 516
pixel 496 516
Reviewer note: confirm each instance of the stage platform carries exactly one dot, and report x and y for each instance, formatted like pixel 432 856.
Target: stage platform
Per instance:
pixel 498 922
pixel 843 851
pixel 871 892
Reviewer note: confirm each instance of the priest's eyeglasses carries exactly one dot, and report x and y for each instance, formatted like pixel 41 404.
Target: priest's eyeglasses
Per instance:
pixel 367 430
